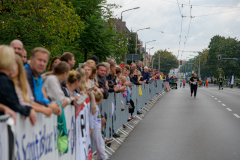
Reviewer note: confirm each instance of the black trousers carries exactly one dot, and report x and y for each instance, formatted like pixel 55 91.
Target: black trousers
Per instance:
pixel 194 89
pixel 220 85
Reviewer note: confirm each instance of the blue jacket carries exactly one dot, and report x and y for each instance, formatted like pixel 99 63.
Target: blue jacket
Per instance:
pixel 36 86
pixel 146 76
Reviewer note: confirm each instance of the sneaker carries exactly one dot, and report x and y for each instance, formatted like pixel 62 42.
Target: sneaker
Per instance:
pixel 108 144
pixel 129 119
pixel 124 126
pixel 107 141
pixel 139 112
pixel 122 109
pixel 132 117
pixel 115 135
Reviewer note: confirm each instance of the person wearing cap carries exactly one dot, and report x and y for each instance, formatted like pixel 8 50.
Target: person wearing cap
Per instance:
pixel 146 74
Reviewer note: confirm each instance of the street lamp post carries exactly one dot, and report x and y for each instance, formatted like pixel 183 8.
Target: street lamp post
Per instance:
pixel 121 25
pixel 152 61
pixel 149 52
pixel 136 38
pixel 145 58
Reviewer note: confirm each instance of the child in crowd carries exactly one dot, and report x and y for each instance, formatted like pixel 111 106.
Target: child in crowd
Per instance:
pixel 122 81
pixel 184 83
pixel 118 74
pixel 95 128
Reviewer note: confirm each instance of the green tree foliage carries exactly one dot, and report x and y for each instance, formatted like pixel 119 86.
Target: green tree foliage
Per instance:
pixel 227 48
pixel 99 36
pixel 47 23
pixel 168 61
pixel 132 44
pixel 211 66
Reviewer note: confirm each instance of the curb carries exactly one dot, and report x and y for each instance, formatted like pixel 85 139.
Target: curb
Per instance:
pixel 124 132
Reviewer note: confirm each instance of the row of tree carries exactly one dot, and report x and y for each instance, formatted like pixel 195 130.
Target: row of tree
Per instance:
pixel 83 27
pixel 210 66
pixel 168 61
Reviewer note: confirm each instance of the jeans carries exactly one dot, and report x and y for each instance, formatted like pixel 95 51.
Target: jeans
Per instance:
pixel 128 94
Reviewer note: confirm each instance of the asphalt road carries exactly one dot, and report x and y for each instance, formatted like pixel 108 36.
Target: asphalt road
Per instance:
pixel 180 127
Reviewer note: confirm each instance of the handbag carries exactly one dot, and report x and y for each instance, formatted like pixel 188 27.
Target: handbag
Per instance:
pixel 140 91
pixel 63 135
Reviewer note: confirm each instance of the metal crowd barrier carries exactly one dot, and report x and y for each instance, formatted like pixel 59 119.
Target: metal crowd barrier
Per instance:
pixel 111 108
pixel 114 109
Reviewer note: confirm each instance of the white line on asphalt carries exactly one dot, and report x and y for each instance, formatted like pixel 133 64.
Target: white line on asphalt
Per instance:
pixel 224 105
pixel 236 115
pixel 229 109
pixel 212 96
pixel 219 101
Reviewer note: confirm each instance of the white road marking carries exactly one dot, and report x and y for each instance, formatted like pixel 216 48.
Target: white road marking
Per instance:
pixel 219 101
pixel 236 115
pixel 215 98
pixel 229 109
pixel 212 96
pixel 224 105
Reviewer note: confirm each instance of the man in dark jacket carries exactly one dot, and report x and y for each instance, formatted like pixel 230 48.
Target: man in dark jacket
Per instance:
pixel 146 74
pixel 140 66
pixel 101 73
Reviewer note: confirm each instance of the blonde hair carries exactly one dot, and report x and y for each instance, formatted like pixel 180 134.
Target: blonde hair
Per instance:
pixel 40 49
pixel 98 96
pixel 73 76
pixel 87 65
pixel 22 79
pixel 7 57
pixel 91 61
pixel 94 71
pixel 123 79
pixel 139 73
pixel 83 86
pixel 107 65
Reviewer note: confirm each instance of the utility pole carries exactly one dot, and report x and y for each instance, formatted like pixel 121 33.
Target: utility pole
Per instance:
pixel 199 66
pixel 159 62
pixel 121 29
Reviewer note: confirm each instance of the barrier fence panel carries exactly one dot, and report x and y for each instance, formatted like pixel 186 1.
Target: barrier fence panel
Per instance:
pixel 4 144
pixel 83 140
pixel 134 97
pixel 118 120
pixel 137 101
pixel 40 141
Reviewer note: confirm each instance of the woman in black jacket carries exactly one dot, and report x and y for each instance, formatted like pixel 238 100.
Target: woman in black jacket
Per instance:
pixel 8 96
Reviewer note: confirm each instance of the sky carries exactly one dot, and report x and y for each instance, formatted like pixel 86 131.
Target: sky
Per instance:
pixel 199 24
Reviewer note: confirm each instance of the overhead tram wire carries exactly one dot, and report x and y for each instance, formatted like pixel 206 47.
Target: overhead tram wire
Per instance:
pixel 188 27
pixel 180 36
pixel 216 13
pixel 203 5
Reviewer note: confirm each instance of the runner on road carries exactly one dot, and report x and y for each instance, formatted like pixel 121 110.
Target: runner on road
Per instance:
pixel 220 82
pixel 194 83
pixel 206 83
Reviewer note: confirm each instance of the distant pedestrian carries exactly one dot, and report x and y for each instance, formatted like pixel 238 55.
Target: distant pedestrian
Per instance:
pixel 184 83
pixel 220 82
pixel 194 81
pixel 206 83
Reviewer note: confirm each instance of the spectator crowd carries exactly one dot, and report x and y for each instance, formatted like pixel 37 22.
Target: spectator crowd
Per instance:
pixel 34 85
